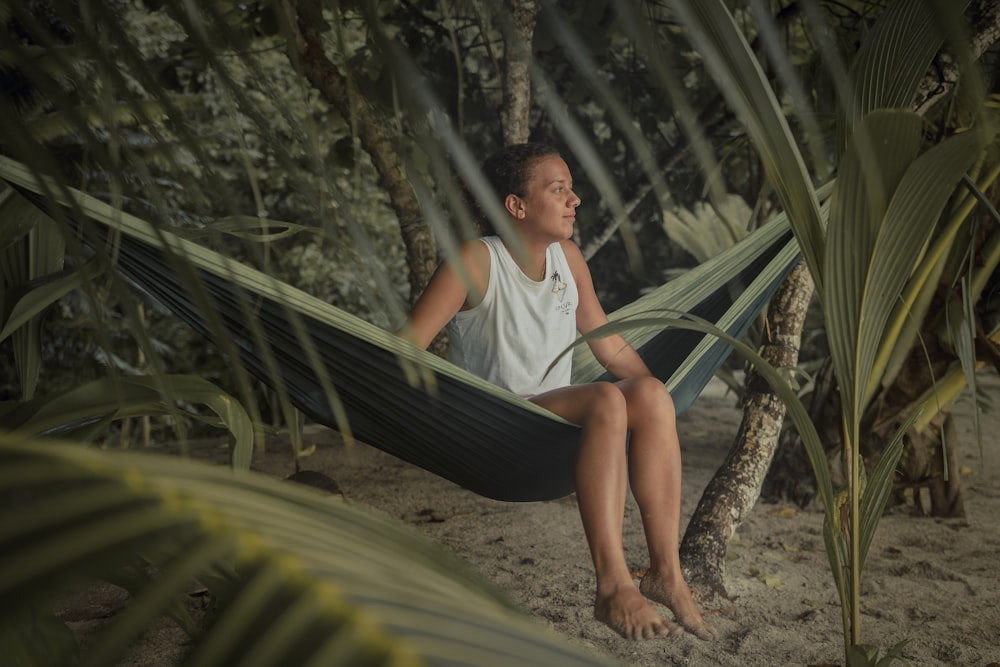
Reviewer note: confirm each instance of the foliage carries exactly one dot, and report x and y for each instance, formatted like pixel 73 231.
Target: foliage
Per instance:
pixel 191 115
pixel 890 193
pixel 298 577
pixel 208 138
pixel 84 412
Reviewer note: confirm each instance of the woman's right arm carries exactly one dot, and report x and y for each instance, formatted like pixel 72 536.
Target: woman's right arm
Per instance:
pixel 449 291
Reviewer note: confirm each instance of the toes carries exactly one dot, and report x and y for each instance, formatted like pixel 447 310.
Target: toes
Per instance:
pixel 661 630
pixel 705 632
pixel 655 630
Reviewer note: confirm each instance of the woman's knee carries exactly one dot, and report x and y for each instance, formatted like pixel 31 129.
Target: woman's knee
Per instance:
pixel 647 396
pixel 597 404
pixel 606 402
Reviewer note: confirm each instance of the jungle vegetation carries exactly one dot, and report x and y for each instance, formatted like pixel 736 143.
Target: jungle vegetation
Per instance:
pixel 321 142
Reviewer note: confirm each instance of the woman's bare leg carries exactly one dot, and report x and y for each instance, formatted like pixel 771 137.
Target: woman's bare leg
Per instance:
pixel 601 477
pixel 655 475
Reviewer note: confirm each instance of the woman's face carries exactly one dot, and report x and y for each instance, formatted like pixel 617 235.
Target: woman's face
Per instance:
pixel 547 211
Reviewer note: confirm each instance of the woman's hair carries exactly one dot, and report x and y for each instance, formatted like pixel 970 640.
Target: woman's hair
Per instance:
pixel 508 171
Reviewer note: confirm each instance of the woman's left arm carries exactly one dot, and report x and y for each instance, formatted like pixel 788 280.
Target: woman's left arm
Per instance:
pixel 613 352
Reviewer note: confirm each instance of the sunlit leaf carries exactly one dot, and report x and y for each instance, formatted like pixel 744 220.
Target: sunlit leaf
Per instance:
pixel 882 148
pixel 912 215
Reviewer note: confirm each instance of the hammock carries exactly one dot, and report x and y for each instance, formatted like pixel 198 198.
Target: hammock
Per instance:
pixel 450 423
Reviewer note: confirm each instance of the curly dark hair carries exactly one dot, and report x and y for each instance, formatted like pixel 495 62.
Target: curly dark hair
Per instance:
pixel 508 172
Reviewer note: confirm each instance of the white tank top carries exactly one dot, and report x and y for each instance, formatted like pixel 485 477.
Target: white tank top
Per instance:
pixel 512 336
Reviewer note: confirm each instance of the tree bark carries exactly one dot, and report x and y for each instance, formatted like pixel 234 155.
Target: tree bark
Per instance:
pixel 518 33
pixel 307 51
pixel 943 77
pixel 734 489
pixel 721 510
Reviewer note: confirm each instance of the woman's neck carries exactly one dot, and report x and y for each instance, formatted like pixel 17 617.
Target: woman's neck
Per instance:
pixel 530 259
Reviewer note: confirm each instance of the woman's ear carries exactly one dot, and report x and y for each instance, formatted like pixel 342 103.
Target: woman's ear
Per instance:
pixel 514 206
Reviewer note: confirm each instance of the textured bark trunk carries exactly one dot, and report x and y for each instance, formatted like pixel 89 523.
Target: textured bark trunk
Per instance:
pixel 943 78
pixel 515 112
pixel 325 77
pixel 734 489
pixel 715 520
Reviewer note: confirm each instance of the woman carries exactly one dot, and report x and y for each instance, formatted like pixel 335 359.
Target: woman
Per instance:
pixel 510 311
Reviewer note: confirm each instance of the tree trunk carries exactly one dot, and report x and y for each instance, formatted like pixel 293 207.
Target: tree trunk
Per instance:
pixel 943 77
pixel 518 29
pixel 326 78
pixel 721 510
pixel 734 489
pixel 518 32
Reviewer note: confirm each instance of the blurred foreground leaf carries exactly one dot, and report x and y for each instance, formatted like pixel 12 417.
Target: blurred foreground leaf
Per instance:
pixel 300 578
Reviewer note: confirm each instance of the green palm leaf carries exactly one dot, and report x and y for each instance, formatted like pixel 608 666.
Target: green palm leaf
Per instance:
pixel 35 255
pixel 30 301
pixel 86 410
pixel 882 148
pixel 857 317
pixel 17 218
pixel 299 577
pixel 906 322
pixel 909 225
pixel 729 59
pixel 894 58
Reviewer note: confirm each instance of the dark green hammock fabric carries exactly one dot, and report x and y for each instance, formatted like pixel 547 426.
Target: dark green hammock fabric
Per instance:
pixel 489 441
pixel 515 454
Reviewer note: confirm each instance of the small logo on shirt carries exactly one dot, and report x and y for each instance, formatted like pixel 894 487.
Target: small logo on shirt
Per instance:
pixel 559 289
pixel 558 286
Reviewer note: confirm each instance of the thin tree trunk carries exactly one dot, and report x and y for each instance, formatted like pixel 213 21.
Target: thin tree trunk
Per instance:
pixel 734 489
pixel 326 78
pixel 518 33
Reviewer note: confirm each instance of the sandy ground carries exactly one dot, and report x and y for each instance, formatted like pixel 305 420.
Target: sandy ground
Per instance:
pixel 931 582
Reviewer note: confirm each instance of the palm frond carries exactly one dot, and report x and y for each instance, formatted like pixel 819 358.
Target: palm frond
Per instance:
pixel 893 59
pixel 298 576
pixel 35 256
pixel 84 411
pixel 713 32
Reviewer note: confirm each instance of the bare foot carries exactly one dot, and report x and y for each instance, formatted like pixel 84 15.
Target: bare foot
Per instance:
pixel 628 613
pixel 678 598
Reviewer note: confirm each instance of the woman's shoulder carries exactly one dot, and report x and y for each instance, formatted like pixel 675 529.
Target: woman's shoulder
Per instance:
pixel 474 256
pixel 475 253
pixel 576 262
pixel 572 252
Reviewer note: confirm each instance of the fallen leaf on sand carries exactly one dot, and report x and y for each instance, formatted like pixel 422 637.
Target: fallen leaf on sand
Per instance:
pixel 784 512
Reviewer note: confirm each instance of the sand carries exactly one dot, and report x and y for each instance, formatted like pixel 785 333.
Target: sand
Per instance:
pixel 930 582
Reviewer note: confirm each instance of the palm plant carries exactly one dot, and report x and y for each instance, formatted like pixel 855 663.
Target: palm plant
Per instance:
pixel 36 275
pixel 874 253
pixel 298 578
pixel 74 514
pixel 876 235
